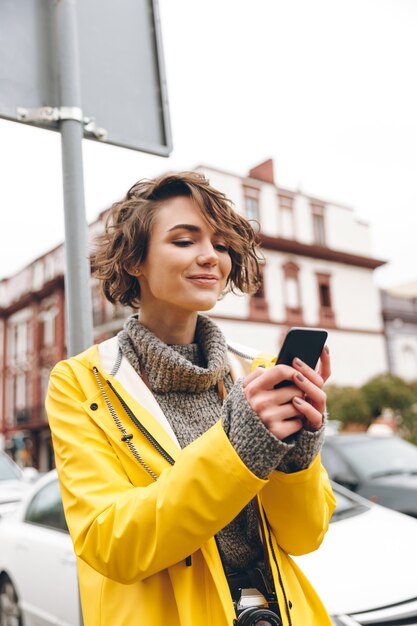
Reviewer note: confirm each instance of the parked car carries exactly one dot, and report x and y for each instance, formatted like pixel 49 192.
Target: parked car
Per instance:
pixel 13 484
pixel 364 570
pixel 380 468
pixel 38 576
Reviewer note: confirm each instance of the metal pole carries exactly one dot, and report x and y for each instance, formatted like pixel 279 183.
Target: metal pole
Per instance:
pixel 77 276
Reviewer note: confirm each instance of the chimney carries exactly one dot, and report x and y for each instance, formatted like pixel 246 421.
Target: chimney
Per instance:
pixel 264 171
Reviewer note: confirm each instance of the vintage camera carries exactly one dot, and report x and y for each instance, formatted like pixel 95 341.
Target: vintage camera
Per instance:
pixel 253 609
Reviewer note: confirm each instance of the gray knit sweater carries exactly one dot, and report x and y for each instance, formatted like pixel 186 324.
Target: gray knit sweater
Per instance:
pixel 184 381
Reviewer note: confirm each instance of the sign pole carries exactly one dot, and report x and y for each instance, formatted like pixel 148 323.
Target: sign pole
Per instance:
pixel 77 276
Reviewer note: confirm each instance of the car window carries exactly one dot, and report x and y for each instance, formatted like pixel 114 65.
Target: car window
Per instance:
pixel 46 508
pixel 333 462
pixel 342 502
pixel 346 506
pixel 8 471
pixel 381 456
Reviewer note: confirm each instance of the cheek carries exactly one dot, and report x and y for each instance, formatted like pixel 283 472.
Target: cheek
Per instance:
pixel 227 267
pixel 166 277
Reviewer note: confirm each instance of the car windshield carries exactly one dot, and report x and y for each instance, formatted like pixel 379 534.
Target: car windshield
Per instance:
pixel 7 470
pixel 380 456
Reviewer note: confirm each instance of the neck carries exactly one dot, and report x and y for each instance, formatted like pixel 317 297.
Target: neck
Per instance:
pixel 170 328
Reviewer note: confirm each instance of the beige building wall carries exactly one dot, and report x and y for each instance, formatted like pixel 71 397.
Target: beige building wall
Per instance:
pixel 343 261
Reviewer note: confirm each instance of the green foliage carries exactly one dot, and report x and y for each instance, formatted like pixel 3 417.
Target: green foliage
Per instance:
pixel 348 405
pixel 408 422
pixel 408 425
pixel 387 392
pixel 362 405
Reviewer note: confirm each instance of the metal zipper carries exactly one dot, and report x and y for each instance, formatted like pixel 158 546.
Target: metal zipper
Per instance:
pixel 127 437
pixel 239 353
pixel 141 427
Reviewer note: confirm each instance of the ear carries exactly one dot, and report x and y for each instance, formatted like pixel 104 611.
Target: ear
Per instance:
pixel 134 271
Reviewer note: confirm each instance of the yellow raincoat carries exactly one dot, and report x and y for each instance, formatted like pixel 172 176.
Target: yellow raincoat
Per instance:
pixel 134 534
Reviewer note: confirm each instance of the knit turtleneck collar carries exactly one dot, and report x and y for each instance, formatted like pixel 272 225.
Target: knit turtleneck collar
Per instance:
pixel 173 368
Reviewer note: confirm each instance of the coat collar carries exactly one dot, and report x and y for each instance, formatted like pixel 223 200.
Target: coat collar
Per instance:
pixel 136 394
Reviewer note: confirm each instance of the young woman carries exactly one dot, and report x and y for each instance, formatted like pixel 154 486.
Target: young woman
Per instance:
pixel 186 477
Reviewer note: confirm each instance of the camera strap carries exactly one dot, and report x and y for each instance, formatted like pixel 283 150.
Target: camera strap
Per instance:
pixel 262 534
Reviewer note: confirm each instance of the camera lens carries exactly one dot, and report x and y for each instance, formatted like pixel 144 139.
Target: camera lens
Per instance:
pixel 258 617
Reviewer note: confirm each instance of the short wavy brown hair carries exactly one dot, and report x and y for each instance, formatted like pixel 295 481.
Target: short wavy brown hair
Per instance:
pixel 123 245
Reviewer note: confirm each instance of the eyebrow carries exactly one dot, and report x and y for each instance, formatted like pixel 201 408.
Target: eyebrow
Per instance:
pixel 191 227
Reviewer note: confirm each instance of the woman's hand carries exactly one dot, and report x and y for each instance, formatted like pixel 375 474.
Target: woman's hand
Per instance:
pixel 286 410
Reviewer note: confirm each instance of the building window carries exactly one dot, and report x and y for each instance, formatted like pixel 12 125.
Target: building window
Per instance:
pixel 47 328
pixel 252 208
pixel 286 215
pixel 326 313
pixel 319 231
pixel 258 305
pixel 292 294
pixel 21 340
pixel 18 338
pixel 325 300
pixel 409 363
pixel 21 404
pixel 251 202
pixel 9 397
pixel 20 399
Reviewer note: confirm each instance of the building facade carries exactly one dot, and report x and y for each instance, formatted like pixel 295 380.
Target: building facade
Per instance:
pixel 399 310
pixel 317 271
pixel 32 333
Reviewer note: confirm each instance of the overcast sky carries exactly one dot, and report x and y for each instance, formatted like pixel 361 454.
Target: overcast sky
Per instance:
pixel 327 88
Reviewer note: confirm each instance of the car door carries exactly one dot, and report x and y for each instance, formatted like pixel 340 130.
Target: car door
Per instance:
pixel 45 565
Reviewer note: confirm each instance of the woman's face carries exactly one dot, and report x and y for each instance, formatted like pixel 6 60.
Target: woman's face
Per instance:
pixel 187 264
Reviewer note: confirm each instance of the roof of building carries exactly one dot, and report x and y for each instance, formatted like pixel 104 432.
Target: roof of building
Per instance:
pixel 407 290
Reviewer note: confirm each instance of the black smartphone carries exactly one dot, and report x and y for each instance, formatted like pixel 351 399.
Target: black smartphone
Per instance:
pixel 306 344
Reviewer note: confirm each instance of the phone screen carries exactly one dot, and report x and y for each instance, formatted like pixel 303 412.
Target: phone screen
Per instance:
pixel 306 344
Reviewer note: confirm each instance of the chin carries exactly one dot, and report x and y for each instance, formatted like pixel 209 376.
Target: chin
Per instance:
pixel 208 307
pixel 203 305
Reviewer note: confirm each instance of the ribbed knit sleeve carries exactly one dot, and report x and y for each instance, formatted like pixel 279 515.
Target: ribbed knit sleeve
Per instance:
pixel 306 446
pixel 258 448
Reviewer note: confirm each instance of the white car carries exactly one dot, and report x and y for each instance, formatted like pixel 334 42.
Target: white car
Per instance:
pixel 364 571
pixel 38 573
pixel 14 484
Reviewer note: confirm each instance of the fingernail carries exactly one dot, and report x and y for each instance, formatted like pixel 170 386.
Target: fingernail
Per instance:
pixel 300 377
pixel 327 349
pixel 297 400
pixel 299 362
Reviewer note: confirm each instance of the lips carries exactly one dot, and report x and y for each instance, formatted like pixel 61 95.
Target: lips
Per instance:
pixel 206 279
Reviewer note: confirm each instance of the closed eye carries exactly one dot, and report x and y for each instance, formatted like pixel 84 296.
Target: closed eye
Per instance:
pixel 183 243
pixel 221 247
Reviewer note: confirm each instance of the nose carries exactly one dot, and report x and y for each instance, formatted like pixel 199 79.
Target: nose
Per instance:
pixel 207 255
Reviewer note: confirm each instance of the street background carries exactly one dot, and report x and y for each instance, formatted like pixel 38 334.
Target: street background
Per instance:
pixel 327 89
